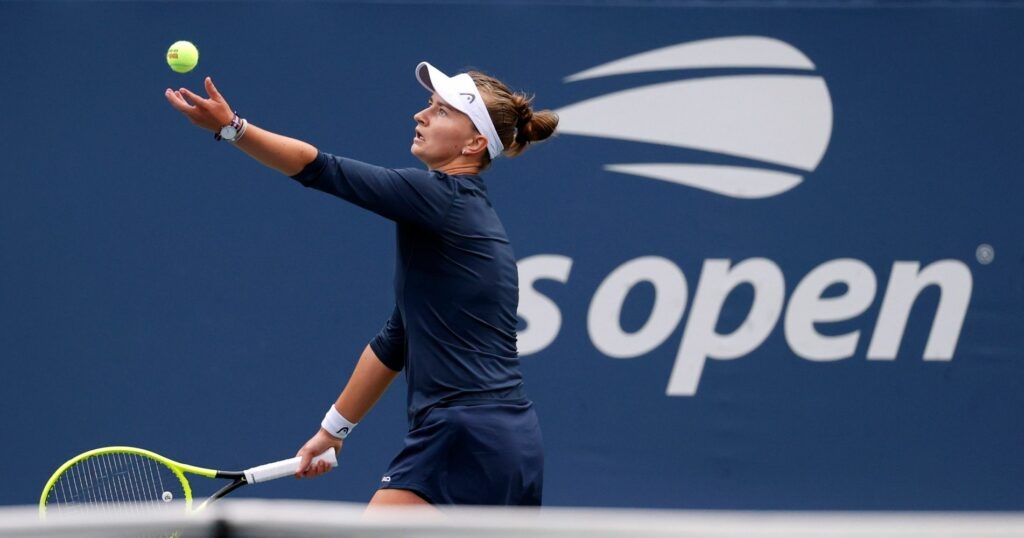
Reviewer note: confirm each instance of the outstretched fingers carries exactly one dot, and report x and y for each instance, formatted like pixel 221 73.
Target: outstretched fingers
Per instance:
pixel 177 100
pixel 208 113
pixel 196 100
pixel 211 90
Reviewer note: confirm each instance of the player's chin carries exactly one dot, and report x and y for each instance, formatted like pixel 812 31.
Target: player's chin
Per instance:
pixel 418 150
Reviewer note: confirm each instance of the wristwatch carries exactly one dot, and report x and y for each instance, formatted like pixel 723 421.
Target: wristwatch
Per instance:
pixel 233 131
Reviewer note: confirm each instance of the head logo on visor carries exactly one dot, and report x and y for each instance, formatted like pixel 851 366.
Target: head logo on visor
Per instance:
pixel 460 92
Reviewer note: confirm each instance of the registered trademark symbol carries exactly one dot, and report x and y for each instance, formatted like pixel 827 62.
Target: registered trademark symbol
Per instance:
pixel 985 253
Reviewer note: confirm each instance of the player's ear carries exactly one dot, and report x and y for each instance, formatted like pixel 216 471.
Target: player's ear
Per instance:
pixel 476 145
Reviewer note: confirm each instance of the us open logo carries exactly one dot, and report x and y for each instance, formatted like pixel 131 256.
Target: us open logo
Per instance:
pixel 754 120
pixel 778 124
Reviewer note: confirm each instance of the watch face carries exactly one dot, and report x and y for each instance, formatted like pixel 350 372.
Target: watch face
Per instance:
pixel 228 132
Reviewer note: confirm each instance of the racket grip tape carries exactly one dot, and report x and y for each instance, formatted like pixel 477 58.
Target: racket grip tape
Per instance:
pixel 283 468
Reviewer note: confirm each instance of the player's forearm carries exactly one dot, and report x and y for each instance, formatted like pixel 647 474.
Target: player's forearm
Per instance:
pixel 284 154
pixel 368 382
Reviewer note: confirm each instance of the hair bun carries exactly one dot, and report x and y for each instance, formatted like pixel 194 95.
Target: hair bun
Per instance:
pixel 515 121
pixel 525 114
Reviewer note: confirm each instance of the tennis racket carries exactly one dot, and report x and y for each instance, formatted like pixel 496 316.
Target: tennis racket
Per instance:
pixel 122 479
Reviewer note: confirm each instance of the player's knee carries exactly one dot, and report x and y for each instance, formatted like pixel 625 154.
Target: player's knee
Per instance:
pixel 396 497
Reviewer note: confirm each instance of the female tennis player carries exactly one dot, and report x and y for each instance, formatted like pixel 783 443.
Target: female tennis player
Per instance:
pixel 474 437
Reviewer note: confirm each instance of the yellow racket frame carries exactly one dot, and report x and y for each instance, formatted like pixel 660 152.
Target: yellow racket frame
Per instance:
pixel 179 470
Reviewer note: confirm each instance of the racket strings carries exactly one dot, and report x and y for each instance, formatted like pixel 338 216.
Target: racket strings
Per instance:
pixel 116 483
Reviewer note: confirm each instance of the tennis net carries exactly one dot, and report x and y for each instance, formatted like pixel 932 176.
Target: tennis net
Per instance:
pixel 253 518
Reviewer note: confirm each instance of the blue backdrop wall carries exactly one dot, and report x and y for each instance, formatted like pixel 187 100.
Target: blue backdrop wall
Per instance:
pixel 774 260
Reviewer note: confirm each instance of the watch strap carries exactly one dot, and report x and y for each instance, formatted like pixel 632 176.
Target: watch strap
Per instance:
pixel 237 123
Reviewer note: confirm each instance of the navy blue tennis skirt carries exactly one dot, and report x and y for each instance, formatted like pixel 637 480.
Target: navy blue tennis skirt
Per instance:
pixel 485 454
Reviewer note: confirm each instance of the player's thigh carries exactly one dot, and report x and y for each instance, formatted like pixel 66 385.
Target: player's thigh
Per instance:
pixel 396 497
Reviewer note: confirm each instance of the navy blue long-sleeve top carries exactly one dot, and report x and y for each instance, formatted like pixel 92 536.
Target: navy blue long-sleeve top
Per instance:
pixel 453 329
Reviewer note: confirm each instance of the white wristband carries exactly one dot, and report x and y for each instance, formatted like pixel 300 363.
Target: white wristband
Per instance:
pixel 241 131
pixel 337 425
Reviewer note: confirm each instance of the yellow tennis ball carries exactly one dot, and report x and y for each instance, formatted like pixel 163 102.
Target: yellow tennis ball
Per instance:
pixel 182 56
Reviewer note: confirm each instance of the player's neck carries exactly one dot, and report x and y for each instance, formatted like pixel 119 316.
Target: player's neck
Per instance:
pixel 455 169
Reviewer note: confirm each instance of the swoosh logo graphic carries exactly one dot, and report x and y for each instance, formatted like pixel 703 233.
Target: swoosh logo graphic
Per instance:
pixel 776 119
pixel 734 181
pixel 737 52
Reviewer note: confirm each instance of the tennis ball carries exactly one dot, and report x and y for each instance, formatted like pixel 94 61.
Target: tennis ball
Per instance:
pixel 182 56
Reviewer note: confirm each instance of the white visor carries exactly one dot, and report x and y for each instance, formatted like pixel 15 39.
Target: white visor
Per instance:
pixel 460 92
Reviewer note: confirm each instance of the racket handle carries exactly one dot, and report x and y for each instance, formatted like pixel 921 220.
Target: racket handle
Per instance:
pixel 283 468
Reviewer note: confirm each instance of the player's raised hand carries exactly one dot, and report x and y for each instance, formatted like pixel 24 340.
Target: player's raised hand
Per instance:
pixel 210 113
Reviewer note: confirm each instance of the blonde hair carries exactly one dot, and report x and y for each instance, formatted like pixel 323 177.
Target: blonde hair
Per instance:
pixel 517 124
